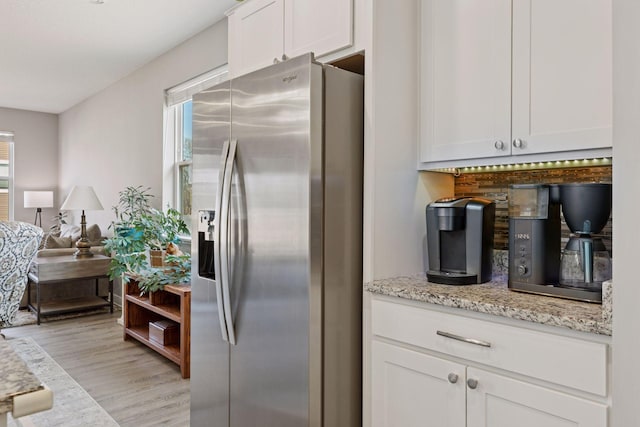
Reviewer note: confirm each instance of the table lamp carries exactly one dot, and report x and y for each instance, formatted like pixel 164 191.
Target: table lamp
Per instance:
pixel 38 200
pixel 82 197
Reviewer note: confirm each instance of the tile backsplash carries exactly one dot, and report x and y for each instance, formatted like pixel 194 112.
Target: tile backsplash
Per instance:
pixel 495 185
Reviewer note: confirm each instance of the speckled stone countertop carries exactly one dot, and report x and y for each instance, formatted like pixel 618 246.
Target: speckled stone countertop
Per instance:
pixel 15 377
pixel 495 298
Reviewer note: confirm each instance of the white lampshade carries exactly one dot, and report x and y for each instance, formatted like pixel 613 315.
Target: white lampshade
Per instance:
pixel 82 197
pixel 38 199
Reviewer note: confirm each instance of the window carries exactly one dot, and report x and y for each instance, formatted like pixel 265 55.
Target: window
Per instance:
pixel 176 190
pixel 6 176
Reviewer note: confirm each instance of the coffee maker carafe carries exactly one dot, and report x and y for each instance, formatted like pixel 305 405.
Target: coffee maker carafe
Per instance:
pixel 585 260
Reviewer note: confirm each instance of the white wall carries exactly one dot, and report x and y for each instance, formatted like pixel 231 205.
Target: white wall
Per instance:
pixel 626 205
pixel 395 193
pixel 35 156
pixel 115 138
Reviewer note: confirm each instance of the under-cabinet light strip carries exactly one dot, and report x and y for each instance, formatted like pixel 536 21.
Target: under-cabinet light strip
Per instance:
pixel 603 161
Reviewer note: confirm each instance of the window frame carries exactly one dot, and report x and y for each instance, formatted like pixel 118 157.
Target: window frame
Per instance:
pixel 178 157
pixel 7 137
pixel 175 98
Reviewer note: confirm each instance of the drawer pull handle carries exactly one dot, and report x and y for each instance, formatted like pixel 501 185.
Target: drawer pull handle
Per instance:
pixel 463 339
pixel 472 383
pixel 453 378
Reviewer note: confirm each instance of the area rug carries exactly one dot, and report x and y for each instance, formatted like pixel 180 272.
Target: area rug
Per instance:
pixel 23 317
pixel 72 405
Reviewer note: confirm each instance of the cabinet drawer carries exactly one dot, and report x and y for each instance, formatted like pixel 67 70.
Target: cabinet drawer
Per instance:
pixel 561 360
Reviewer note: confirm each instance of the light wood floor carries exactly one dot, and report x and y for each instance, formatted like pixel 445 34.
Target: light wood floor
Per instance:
pixel 135 385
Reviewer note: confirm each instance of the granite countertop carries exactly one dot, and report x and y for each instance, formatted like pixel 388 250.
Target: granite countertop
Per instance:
pixel 496 299
pixel 15 377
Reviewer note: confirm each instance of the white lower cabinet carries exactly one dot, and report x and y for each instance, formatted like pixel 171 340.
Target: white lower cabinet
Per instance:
pixel 418 377
pixel 500 401
pixel 412 389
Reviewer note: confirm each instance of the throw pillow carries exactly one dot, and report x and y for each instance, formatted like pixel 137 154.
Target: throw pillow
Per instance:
pixel 43 242
pixel 93 233
pixel 57 242
pixel 72 231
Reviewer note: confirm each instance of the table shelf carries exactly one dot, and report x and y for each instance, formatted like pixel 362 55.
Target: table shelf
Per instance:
pixel 72 304
pixel 171 352
pixel 169 311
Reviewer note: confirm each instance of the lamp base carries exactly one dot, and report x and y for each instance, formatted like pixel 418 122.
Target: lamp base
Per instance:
pixel 83 245
pixel 84 249
pixel 38 217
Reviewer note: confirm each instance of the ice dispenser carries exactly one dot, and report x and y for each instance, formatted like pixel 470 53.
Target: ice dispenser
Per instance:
pixel 205 244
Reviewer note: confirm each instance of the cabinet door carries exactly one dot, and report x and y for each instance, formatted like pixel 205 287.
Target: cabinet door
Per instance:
pixel 465 79
pixel 317 26
pixel 255 35
pixel 562 75
pixel 411 389
pixel 498 401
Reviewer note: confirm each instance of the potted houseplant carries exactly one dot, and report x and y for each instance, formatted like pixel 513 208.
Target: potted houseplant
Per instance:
pixel 139 229
pixel 127 246
pixel 176 271
pixel 161 231
pixel 133 202
pixel 158 230
pixel 58 220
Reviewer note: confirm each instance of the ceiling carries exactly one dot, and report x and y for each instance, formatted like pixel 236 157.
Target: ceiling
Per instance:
pixel 56 53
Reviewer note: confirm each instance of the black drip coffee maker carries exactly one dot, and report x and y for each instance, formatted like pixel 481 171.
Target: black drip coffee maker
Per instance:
pixel 585 261
pixel 535 263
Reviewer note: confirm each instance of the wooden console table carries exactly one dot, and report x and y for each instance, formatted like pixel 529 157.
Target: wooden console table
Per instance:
pixel 51 270
pixel 173 303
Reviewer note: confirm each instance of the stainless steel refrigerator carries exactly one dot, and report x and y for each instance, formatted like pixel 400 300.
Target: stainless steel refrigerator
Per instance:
pixel 277 261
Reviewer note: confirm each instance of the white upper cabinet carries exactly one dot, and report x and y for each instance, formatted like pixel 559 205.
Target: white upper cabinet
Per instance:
pixel 562 75
pixel 317 26
pixel 514 77
pixel 256 34
pixel 466 79
pixel 262 32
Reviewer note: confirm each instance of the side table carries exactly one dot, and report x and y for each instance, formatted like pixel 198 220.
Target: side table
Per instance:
pixel 52 270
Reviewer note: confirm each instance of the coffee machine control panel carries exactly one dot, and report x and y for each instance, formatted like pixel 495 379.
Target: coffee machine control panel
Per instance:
pixel 523 254
pixel 534 251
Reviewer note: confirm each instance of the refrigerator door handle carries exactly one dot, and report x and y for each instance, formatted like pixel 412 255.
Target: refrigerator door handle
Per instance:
pixel 224 238
pixel 217 223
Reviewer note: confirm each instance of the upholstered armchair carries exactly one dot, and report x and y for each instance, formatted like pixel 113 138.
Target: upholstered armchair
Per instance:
pixel 19 242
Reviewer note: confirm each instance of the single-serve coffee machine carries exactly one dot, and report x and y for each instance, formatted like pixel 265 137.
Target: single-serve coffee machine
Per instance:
pixel 536 263
pixel 460 240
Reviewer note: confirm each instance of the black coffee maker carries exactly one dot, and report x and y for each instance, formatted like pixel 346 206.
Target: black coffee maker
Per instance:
pixel 460 240
pixel 536 262
pixel 534 237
